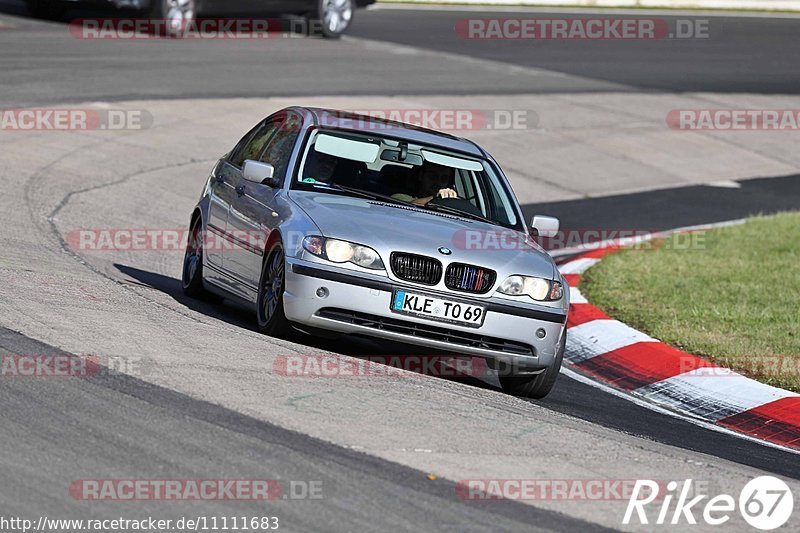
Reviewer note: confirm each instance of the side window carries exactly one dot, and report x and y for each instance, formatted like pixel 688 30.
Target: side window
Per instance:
pixel 255 145
pixel 280 146
pixel 233 155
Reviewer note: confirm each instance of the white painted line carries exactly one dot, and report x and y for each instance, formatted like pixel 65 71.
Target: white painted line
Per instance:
pixel 712 393
pixel 571 374
pixel 578 266
pixel 725 184
pixel 597 337
pixel 575 296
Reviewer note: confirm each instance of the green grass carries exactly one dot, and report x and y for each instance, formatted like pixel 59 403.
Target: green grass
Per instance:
pixel 730 295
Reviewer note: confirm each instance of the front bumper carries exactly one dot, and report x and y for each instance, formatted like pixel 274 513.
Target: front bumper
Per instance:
pixel 359 304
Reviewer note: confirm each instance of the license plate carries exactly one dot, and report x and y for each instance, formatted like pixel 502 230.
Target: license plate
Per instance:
pixel 413 304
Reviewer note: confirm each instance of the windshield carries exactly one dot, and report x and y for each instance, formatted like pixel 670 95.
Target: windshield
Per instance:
pixel 395 171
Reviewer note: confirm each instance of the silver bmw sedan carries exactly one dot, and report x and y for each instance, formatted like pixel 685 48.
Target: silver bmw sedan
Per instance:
pixel 330 222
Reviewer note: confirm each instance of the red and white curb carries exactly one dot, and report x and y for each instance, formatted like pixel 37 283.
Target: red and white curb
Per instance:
pixel 648 369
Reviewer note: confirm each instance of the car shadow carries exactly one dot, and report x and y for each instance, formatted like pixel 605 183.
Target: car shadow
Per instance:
pixel 351 345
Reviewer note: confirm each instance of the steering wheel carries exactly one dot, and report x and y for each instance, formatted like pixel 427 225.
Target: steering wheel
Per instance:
pixel 457 203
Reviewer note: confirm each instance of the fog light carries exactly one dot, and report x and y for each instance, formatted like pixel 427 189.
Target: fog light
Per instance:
pixel 322 292
pixel 541 333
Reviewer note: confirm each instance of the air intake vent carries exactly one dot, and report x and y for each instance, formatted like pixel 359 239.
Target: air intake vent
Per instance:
pixel 416 268
pixel 469 278
pixel 416 330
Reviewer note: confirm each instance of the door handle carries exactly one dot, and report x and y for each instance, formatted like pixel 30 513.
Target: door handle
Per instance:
pixel 240 190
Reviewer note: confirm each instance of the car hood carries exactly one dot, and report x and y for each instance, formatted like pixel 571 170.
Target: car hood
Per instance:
pixel 388 227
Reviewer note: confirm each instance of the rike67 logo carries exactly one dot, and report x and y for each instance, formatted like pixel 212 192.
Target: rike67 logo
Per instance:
pixel 765 503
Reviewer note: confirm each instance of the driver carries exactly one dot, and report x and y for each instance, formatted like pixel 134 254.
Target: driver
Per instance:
pixel 434 180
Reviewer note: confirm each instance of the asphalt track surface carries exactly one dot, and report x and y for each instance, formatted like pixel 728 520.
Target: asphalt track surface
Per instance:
pixel 740 55
pixel 142 431
pixel 660 210
pixel 118 426
pixel 759 55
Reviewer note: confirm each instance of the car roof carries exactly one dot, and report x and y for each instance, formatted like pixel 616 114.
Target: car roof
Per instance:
pixel 346 120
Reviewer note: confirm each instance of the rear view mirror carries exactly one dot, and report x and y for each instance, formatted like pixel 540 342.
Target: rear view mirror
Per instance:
pixel 395 157
pixel 545 226
pixel 258 172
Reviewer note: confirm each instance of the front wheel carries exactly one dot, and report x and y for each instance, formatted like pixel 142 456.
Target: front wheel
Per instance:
pixel 331 18
pixel 540 385
pixel 272 320
pixel 177 13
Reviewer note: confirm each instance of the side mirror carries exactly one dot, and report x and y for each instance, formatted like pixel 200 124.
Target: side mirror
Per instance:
pixel 257 172
pixel 545 226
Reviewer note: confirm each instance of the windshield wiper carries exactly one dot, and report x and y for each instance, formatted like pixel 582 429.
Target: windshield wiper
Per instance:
pixel 458 212
pixel 359 192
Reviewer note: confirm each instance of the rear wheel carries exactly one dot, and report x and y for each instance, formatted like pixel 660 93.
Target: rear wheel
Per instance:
pixel 537 386
pixel 192 278
pixel 46 9
pixel 331 18
pixel 272 320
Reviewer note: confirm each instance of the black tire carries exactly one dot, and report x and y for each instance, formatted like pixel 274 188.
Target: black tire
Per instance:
pixel 192 276
pixel 46 9
pixel 331 18
pixel 540 385
pixel 272 320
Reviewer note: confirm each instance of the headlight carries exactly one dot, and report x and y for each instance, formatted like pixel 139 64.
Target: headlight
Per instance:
pixel 338 251
pixel 537 288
